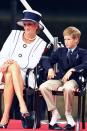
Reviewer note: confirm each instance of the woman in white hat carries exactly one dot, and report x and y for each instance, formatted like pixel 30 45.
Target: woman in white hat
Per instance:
pixel 22 50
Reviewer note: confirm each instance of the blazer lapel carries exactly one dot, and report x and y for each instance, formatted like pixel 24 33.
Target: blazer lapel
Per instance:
pixel 65 61
pixel 75 56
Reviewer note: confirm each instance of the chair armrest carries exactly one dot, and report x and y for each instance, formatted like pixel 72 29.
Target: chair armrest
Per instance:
pixel 82 81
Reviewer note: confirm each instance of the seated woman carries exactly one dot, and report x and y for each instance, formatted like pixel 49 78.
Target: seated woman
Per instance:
pixel 22 50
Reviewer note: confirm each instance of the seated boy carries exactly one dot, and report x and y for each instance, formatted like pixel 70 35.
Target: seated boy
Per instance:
pixel 70 59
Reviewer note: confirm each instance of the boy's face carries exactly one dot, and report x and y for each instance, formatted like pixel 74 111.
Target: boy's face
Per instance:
pixel 70 42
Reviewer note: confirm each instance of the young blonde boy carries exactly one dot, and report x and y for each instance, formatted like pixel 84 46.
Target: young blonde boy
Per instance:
pixel 70 59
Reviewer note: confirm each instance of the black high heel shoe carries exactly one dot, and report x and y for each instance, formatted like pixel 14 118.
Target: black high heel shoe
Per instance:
pixel 3 126
pixel 27 120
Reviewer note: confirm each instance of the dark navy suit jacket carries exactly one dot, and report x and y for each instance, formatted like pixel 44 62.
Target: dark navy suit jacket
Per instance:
pixel 78 61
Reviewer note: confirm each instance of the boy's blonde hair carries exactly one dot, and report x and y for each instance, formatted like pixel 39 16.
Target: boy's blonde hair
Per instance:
pixel 73 31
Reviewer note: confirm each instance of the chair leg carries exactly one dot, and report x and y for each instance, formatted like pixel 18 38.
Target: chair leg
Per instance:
pixel 34 107
pixel 79 112
pixel 83 111
pixel 36 110
pixel 49 116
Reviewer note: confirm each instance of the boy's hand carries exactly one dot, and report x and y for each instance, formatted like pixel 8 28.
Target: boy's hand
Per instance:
pixel 68 74
pixel 51 73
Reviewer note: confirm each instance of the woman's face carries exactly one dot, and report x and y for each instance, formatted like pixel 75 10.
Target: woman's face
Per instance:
pixel 30 27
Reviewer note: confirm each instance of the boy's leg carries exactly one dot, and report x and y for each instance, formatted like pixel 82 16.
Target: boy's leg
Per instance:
pixel 69 88
pixel 46 90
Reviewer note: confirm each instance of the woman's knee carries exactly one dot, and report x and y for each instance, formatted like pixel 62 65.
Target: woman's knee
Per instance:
pixel 8 77
pixel 13 67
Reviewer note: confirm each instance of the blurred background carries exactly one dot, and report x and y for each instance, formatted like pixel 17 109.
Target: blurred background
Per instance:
pixel 57 15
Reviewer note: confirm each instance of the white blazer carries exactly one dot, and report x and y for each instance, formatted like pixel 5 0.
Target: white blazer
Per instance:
pixel 26 55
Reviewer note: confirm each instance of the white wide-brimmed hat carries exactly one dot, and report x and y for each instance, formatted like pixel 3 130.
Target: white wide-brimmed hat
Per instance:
pixel 31 15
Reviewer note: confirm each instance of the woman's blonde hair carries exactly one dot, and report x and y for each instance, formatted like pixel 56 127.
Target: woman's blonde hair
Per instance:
pixel 73 31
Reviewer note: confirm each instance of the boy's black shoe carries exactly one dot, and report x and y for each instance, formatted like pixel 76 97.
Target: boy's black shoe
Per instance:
pixel 69 127
pixel 55 127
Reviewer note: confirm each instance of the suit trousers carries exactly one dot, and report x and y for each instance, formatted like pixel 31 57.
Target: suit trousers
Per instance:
pixel 68 88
